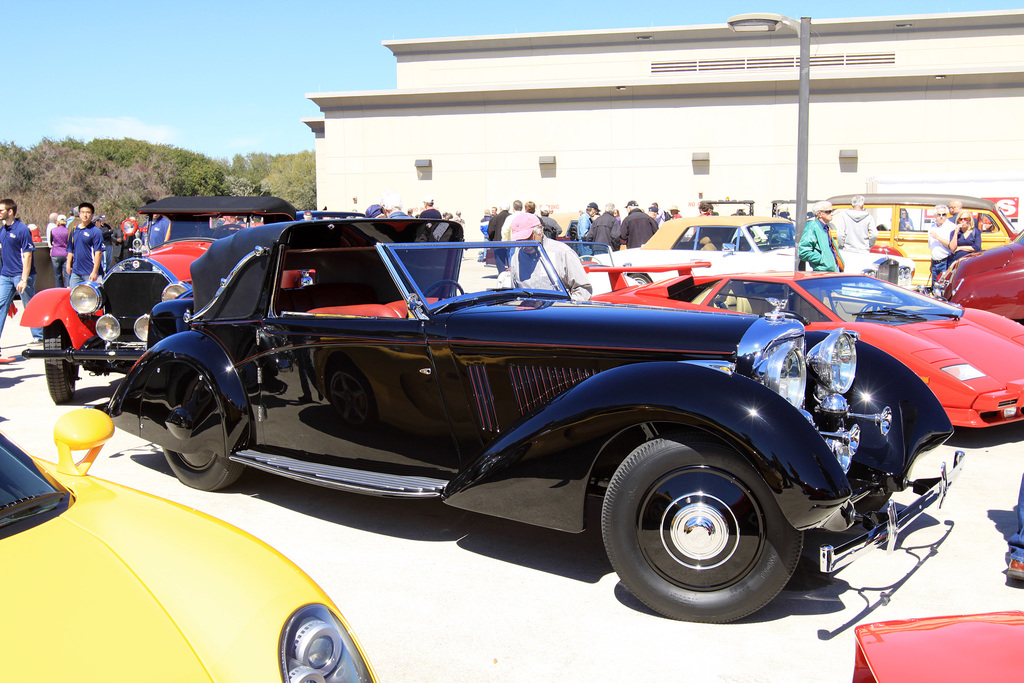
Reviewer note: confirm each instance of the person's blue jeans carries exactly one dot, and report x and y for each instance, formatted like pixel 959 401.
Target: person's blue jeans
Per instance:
pixel 58 269
pixel 8 287
pixel 76 279
pixel 938 268
pixel 1017 540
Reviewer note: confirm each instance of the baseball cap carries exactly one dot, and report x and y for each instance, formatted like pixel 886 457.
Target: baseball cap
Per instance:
pixel 593 205
pixel 523 225
pixel 631 202
pixel 62 217
pixel 373 210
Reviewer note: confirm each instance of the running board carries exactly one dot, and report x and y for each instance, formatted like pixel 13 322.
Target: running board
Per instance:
pixel 343 478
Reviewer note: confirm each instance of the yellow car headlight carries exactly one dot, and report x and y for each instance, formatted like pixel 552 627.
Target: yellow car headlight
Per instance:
pixel 317 648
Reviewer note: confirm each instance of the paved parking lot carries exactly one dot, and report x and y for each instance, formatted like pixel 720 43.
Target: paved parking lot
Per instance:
pixel 439 594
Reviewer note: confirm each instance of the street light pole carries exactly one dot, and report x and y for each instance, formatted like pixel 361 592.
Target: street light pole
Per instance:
pixel 802 132
pixel 772 22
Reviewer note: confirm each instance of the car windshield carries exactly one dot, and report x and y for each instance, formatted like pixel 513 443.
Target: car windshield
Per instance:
pixel 24 492
pixel 859 298
pixel 768 236
pixel 162 229
pixel 447 276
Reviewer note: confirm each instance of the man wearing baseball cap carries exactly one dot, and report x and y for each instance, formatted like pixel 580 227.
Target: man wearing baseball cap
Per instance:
pixel 528 268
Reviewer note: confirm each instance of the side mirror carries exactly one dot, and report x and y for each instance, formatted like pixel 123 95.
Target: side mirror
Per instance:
pixel 85 429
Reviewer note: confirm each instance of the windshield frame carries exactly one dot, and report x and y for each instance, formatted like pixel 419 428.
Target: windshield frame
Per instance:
pixel 400 256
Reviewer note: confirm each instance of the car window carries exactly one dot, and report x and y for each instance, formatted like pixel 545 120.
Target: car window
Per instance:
pixel 687 239
pixel 916 218
pixel 715 237
pixel 768 236
pixel 752 296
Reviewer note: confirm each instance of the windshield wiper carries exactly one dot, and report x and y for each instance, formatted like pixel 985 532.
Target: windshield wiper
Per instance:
pixel 888 312
pixel 28 507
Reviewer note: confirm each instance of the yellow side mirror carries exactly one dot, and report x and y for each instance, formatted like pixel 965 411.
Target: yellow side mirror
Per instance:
pixel 79 430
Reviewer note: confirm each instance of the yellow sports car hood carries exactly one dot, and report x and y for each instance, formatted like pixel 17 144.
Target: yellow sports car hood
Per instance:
pixel 107 592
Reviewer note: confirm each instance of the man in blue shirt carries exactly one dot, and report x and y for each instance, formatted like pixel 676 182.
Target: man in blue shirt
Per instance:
pixel 85 249
pixel 17 270
pixel 585 221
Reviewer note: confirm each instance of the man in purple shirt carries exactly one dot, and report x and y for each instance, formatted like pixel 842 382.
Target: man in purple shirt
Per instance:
pixel 17 270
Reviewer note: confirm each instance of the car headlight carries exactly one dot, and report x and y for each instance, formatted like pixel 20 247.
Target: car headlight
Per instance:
pixel 834 361
pixel 86 298
pixel 784 371
pixel 173 291
pixel 107 328
pixel 142 327
pixel 316 647
pixel 963 371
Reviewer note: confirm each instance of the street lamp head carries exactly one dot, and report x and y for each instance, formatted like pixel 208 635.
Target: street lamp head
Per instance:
pixel 742 23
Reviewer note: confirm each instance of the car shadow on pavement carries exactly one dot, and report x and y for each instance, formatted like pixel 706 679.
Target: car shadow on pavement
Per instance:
pixel 965 437
pixel 575 556
pixel 811 592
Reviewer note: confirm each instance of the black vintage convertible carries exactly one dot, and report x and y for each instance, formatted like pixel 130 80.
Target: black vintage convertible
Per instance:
pixel 361 355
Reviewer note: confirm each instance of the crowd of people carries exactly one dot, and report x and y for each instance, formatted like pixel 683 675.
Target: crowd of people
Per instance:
pixel 954 234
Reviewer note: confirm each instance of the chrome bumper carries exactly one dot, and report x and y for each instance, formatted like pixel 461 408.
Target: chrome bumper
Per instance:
pixel 84 355
pixel 832 559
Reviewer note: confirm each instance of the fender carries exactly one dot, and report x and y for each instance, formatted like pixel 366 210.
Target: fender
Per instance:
pixel 183 391
pixel 52 305
pixel 167 318
pixel 538 471
pixel 919 423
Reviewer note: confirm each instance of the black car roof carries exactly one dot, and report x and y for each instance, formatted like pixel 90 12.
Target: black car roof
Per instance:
pixel 264 206
pixel 224 253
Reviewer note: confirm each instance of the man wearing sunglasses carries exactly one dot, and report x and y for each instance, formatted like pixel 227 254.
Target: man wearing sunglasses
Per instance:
pixel 938 241
pixel 817 247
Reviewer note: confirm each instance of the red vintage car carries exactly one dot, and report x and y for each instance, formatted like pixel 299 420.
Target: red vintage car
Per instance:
pixel 972 647
pixel 972 360
pixel 102 326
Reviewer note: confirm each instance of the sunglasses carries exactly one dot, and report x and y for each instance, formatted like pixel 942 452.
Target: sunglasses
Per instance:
pixel 942 214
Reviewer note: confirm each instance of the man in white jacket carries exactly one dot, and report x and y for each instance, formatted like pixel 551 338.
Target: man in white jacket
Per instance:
pixel 856 229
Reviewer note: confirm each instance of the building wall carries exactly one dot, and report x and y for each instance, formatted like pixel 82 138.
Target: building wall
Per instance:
pixel 484 129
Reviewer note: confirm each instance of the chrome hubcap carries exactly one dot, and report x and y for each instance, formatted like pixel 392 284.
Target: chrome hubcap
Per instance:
pixel 699 531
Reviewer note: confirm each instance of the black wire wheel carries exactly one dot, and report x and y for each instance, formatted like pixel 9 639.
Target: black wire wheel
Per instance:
pixel 694 533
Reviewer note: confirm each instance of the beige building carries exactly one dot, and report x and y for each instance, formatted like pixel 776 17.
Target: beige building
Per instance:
pixel 678 113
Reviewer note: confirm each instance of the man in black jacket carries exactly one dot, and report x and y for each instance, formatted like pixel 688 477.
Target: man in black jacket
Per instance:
pixel 637 227
pixel 605 228
pixel 494 235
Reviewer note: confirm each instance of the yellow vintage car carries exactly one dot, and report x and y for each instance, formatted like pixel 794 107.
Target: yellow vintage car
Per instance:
pixel 904 219
pixel 103 583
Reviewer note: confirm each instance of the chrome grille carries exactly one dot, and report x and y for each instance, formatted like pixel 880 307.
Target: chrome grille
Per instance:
pixel 484 399
pixel 534 385
pixel 127 295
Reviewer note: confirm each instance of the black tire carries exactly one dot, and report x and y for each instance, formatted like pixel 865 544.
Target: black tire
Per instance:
pixel 741 554
pixel 197 423
pixel 641 278
pixel 203 471
pixel 61 376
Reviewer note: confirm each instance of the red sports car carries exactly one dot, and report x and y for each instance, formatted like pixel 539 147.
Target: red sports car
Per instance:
pixel 973 360
pixel 962 648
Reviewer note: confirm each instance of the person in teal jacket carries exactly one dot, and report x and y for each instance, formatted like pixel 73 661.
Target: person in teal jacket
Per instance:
pixel 817 247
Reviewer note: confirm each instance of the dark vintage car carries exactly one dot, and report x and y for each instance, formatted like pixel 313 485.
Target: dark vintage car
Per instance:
pixel 992 280
pixel 344 355
pixel 102 326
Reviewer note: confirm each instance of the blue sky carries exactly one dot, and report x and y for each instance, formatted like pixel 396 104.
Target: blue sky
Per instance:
pixel 226 77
